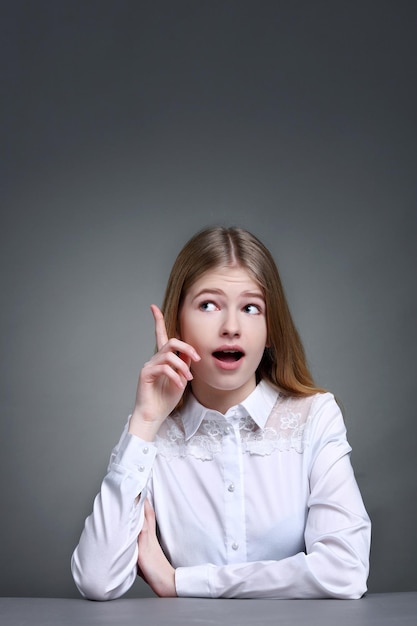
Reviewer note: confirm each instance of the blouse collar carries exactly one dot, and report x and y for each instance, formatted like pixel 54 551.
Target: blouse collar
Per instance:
pixel 258 405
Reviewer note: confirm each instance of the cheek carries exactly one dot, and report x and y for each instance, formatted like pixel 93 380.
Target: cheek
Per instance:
pixel 182 326
pixel 188 331
pixel 258 334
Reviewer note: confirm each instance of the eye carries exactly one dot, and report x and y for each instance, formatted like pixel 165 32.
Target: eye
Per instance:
pixel 252 309
pixel 207 305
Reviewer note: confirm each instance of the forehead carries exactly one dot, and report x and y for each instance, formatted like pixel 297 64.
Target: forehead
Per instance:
pixel 225 278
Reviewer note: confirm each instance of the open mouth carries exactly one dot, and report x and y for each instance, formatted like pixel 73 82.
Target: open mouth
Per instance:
pixel 228 356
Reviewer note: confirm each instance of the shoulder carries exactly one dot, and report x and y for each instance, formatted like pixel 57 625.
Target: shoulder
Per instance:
pixel 311 418
pixel 326 426
pixel 303 408
pixel 288 426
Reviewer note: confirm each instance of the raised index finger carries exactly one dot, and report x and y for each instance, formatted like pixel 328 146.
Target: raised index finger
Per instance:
pixel 160 328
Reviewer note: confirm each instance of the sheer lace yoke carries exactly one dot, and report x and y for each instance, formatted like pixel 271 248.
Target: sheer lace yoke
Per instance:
pixel 285 429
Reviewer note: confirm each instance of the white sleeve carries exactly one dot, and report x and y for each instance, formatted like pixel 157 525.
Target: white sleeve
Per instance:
pixel 104 562
pixel 337 534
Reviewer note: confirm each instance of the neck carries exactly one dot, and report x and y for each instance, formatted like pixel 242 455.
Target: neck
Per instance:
pixel 221 400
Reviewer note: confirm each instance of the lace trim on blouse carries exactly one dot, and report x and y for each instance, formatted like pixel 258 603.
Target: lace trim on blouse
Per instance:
pixel 285 429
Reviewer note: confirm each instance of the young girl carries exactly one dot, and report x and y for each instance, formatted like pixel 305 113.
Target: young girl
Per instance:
pixel 232 477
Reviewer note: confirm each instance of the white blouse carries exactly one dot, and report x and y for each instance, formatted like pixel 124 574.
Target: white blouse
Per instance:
pixel 261 502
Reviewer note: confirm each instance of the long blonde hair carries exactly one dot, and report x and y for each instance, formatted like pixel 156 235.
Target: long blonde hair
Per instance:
pixel 283 363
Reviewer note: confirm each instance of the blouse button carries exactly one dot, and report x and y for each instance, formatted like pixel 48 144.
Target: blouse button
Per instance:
pixel 141 468
pixel 231 487
pixel 145 450
pixel 235 546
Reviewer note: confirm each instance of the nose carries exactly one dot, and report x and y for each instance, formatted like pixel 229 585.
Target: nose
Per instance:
pixel 230 324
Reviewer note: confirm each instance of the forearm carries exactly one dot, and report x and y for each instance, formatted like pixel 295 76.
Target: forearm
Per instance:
pixel 321 574
pixel 104 562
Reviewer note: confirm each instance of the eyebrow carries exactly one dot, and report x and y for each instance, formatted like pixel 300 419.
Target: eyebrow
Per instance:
pixel 219 292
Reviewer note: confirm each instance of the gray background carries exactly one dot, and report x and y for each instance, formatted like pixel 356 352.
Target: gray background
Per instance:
pixel 127 126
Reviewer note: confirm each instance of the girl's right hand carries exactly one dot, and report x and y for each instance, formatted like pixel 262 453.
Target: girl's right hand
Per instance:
pixel 162 381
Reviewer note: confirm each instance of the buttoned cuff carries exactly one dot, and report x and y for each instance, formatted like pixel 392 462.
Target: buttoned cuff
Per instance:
pixel 135 455
pixel 193 582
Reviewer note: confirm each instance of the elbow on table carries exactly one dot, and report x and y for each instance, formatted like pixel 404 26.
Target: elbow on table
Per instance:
pixel 341 568
pixel 96 591
pixel 337 577
pixel 93 586
pixel 91 590
pixel 351 594
pixel 351 585
pixel 354 591
pixel 89 587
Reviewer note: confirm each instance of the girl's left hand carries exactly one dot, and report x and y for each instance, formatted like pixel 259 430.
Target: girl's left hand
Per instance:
pixel 153 565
